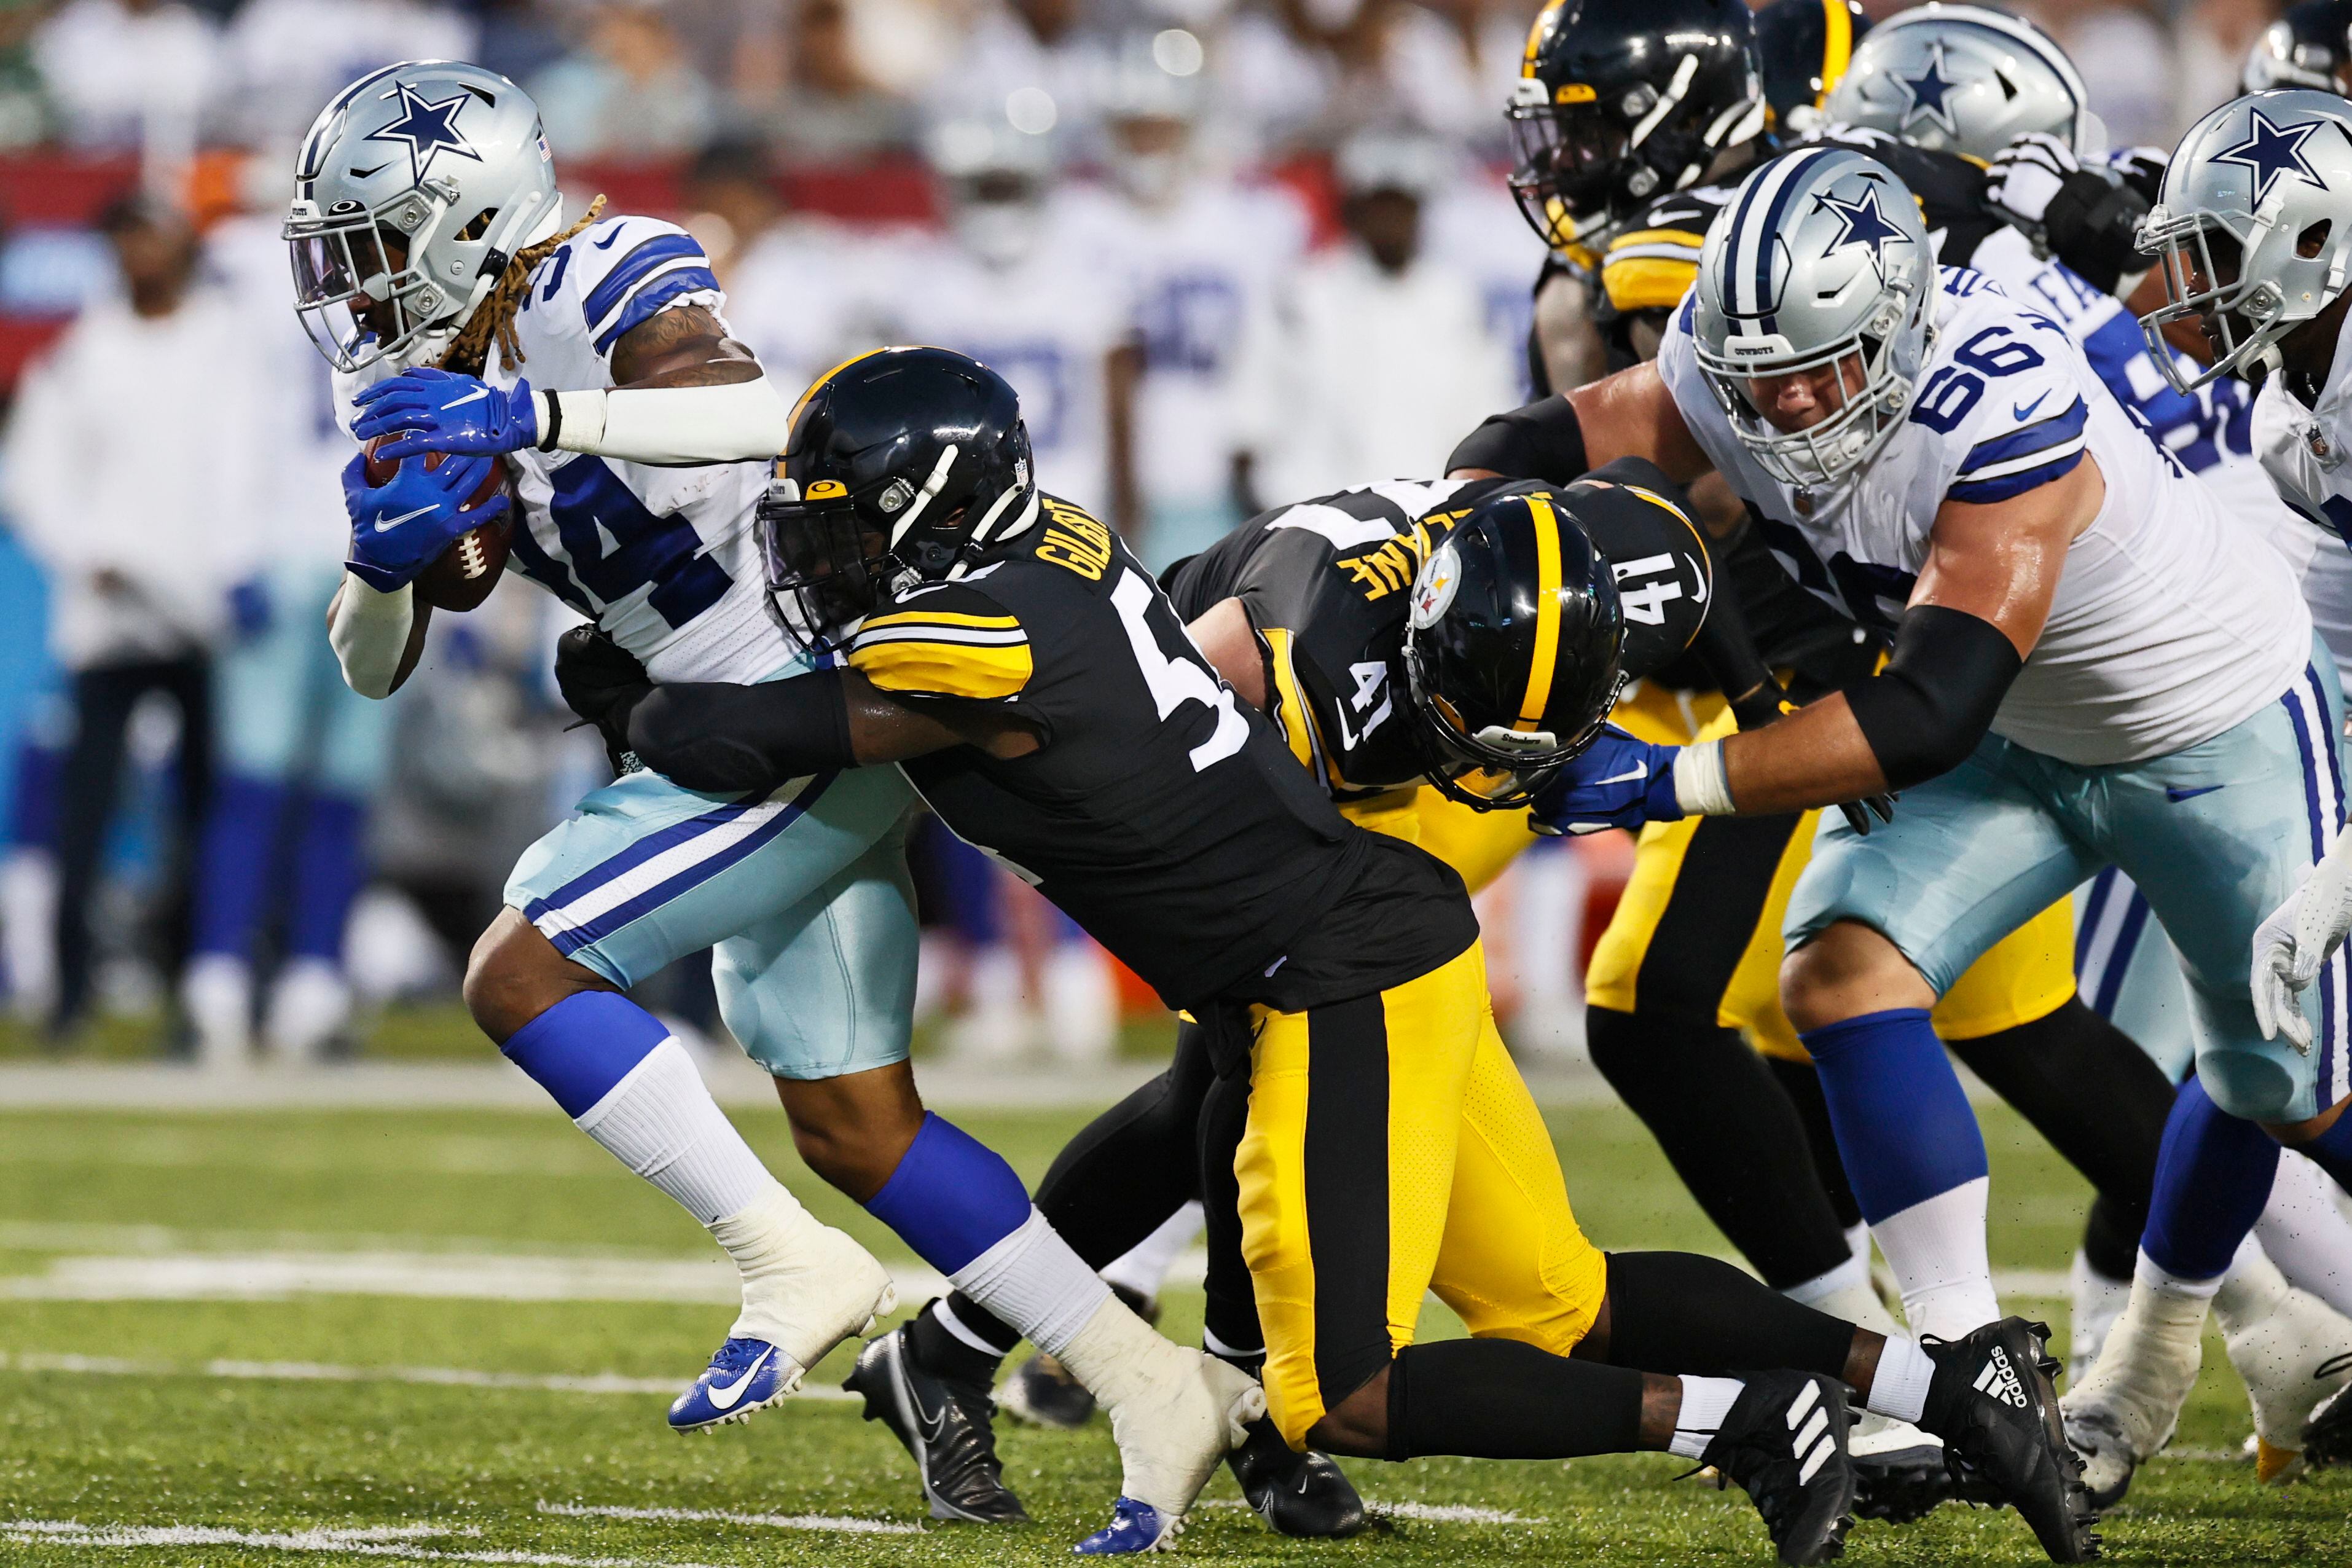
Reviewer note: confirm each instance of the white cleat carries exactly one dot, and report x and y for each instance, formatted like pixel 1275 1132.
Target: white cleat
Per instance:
pixel 2292 1351
pixel 2095 1302
pixel 2125 1410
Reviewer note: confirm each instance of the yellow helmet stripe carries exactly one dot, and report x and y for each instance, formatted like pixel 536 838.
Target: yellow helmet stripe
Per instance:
pixel 1837 50
pixel 818 384
pixel 1547 652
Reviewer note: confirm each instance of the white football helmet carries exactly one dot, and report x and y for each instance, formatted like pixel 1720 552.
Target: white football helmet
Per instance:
pixel 2253 228
pixel 1961 78
pixel 1821 258
pixel 413 190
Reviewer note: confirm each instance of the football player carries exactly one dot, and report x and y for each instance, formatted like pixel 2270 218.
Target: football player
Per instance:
pixel 1007 650
pixel 436 272
pixel 2084 671
pixel 2251 227
pixel 1692 954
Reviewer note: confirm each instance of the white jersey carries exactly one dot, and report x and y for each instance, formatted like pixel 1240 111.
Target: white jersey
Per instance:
pixel 2166 629
pixel 2211 430
pixel 665 560
pixel 2303 451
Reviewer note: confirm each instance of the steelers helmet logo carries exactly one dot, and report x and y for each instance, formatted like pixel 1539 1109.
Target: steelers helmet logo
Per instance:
pixel 1434 589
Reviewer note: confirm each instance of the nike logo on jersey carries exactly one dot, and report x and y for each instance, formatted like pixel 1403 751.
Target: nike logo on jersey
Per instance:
pixel 2021 410
pixel 386 524
pixel 2176 796
pixel 606 243
pixel 1640 771
pixel 724 1395
pixel 474 396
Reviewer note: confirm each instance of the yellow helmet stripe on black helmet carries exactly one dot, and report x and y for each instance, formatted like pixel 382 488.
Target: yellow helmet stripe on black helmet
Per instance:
pixel 1545 657
pixel 818 384
pixel 1837 49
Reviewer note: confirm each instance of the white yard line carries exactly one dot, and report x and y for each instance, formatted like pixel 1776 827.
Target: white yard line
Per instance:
pixel 843 1524
pixel 320 1371
pixel 348 1542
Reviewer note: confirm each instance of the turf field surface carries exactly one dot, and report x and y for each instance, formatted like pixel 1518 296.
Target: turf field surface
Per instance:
pixel 356 1337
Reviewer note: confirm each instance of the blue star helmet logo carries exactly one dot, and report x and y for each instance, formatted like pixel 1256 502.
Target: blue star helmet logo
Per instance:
pixel 430 129
pixel 2270 150
pixel 1928 93
pixel 1862 222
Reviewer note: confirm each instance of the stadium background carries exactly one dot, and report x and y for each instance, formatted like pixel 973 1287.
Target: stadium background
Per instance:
pixel 335 1267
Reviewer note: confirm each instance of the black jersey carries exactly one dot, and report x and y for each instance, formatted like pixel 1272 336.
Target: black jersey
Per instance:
pixel 1162 813
pixel 1326 584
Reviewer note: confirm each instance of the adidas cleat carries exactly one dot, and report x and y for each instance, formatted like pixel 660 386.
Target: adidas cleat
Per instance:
pixel 1992 1402
pixel 1300 1495
pixel 746 1375
pixel 1043 1394
pixel 1899 1471
pixel 1134 1527
pixel 1784 1441
pixel 944 1425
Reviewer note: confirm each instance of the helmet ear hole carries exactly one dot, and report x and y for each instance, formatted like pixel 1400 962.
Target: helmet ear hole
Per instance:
pixel 479 226
pixel 2314 239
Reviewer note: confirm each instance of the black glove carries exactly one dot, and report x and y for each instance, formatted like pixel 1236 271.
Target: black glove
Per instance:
pixel 603 682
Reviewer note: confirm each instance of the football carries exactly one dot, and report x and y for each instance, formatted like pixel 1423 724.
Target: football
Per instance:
pixel 461 576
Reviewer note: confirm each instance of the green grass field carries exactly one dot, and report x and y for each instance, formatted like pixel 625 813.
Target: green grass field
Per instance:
pixel 147 1419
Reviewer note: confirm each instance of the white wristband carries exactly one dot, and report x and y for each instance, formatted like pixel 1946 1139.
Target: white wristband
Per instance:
pixel 742 421
pixel 1700 787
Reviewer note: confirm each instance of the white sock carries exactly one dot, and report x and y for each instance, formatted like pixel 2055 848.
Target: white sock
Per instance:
pixel 1705 1402
pixel 2251 1290
pixel 1036 1283
pixel 1846 1292
pixel 2145 1272
pixel 1937 1249
pixel 766 1237
pixel 661 1122
pixel 943 1309
pixel 1900 1389
pixel 2306 1234
pixel 1143 1268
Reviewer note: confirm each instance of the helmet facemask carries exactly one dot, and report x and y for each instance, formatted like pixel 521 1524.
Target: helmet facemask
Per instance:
pixel 346 262
pixel 2242 317
pixel 1582 164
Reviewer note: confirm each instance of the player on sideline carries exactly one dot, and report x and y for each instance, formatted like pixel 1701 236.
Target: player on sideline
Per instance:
pixel 2081 660
pixel 435 271
pixel 1009 653
pixel 2254 230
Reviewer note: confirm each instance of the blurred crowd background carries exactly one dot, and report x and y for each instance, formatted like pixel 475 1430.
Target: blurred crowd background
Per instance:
pixel 1232 252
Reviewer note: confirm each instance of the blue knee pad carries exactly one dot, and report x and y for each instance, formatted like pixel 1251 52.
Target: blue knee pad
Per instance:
pixel 2214 1175
pixel 952 1198
pixel 1903 1125
pixel 579 1049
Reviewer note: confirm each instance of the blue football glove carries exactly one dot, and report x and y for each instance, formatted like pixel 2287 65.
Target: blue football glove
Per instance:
pixel 1618 782
pixel 398 530
pixel 440 411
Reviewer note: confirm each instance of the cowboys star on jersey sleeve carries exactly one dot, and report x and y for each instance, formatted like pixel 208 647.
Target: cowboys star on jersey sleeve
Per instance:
pixel 951 640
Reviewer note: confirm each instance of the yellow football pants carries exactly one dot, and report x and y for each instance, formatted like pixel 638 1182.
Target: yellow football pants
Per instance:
pixel 1391 1149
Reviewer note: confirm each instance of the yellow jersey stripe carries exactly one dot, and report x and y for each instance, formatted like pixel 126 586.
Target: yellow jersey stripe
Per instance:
pixel 1292 717
pixel 1681 237
pixel 1648 283
pixel 1837 50
pixel 918 669
pixel 1546 650
pixel 937 618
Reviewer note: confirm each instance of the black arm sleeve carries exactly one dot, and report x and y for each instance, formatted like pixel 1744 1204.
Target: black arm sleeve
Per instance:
pixel 1925 712
pixel 738 739
pixel 1542 440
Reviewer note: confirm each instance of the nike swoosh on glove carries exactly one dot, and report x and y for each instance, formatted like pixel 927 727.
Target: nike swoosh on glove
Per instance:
pixel 399 528
pixel 2295 939
pixel 431 410
pixel 1617 782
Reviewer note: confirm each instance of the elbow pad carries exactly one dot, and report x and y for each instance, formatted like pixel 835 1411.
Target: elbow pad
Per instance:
pixel 744 739
pixel 741 421
pixel 1937 697
pixel 1544 440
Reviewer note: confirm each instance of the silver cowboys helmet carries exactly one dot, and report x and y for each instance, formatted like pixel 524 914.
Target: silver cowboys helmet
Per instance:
pixel 2252 228
pixel 1820 259
pixel 1960 78
pixel 413 190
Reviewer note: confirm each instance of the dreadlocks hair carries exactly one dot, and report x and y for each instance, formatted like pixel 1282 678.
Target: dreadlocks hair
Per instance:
pixel 469 350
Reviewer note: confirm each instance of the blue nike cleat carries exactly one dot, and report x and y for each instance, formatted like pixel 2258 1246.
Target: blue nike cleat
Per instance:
pixel 744 1376
pixel 1134 1527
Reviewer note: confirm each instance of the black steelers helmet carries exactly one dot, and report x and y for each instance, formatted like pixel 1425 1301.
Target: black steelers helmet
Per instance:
pixel 1803 47
pixel 1512 648
pixel 1619 100
pixel 2308 47
pixel 904 466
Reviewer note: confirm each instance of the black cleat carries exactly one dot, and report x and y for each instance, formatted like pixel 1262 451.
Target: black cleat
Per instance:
pixel 1303 1495
pixel 1041 1394
pixel 944 1425
pixel 1992 1403
pixel 2327 1436
pixel 1784 1441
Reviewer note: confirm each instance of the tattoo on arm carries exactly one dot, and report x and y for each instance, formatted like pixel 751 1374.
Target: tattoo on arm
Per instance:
pixel 681 347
